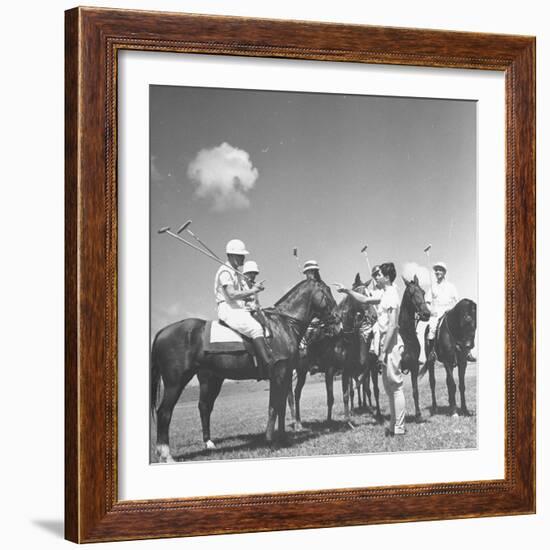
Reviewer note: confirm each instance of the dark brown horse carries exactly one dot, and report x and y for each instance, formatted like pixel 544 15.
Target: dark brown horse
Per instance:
pixel 455 337
pixel 178 354
pixel 333 352
pixel 413 308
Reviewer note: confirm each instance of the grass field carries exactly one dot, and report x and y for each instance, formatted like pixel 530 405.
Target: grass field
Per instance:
pixel 240 414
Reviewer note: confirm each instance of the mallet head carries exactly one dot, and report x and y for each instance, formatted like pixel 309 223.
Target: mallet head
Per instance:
pixel 184 226
pixel 364 249
pixel 163 229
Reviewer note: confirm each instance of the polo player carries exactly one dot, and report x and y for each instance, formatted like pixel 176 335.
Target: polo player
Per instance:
pixel 311 270
pixel 440 298
pixel 251 271
pixel 231 293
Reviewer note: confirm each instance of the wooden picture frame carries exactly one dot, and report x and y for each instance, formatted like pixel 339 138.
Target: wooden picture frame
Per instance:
pixel 93 511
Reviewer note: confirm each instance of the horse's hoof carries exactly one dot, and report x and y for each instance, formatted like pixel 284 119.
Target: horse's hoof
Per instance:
pixel 465 412
pixel 209 445
pixel 298 427
pixel 418 417
pixel 164 455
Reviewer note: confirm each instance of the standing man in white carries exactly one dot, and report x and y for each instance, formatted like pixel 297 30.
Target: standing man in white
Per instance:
pixel 390 347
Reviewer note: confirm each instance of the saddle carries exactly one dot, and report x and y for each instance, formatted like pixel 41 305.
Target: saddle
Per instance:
pixel 221 338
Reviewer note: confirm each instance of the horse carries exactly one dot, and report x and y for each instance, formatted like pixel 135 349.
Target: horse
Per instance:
pixel 178 354
pixel 455 337
pixel 332 352
pixel 413 307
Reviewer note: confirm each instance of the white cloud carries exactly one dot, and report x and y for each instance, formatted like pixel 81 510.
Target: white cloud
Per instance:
pixel 410 269
pixel 224 175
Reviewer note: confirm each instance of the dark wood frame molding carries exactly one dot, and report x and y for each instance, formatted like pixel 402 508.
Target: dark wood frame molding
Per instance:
pixel 93 511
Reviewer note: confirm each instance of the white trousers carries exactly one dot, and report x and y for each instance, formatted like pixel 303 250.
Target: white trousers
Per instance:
pixel 392 378
pixel 240 320
pixel 433 322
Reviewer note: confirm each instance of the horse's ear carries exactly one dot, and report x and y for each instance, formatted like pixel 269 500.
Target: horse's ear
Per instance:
pixel 405 281
pixel 357 281
pixel 415 279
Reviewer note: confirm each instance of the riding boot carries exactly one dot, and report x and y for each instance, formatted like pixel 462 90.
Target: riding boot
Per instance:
pixel 263 356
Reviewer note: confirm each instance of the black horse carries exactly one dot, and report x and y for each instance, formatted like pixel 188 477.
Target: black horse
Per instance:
pixel 455 337
pixel 413 307
pixel 334 352
pixel 178 354
pixel 368 369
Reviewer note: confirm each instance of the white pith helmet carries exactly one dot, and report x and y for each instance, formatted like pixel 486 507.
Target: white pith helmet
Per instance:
pixel 309 265
pixel 442 265
pixel 236 246
pixel 250 266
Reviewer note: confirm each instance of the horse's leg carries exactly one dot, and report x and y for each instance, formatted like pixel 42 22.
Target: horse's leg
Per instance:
pixel 451 388
pixel 172 393
pixel 291 406
pixel 366 385
pixel 210 387
pixel 376 389
pixel 431 372
pixel 302 374
pixel 278 392
pixel 414 380
pixel 346 393
pixel 351 394
pixel 285 390
pixel 329 383
pixel 462 364
pixel 359 392
pixel 364 365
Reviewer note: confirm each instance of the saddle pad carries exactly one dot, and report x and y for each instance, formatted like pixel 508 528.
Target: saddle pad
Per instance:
pixel 221 339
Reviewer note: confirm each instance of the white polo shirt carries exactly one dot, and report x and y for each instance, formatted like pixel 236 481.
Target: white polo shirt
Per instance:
pixel 389 300
pixel 442 297
pixel 225 276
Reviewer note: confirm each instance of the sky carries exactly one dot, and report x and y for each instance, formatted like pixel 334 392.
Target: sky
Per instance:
pixel 326 173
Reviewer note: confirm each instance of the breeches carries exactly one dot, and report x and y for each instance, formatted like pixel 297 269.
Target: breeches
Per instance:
pixel 240 320
pixel 432 325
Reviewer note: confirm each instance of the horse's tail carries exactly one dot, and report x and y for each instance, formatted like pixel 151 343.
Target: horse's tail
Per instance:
pixel 155 380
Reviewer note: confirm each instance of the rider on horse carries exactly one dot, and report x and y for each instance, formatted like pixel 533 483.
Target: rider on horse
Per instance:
pixel 440 298
pixel 232 291
pixel 251 271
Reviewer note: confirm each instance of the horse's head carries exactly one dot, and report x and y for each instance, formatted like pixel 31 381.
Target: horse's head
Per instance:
pixel 466 321
pixel 322 301
pixel 308 299
pixel 414 293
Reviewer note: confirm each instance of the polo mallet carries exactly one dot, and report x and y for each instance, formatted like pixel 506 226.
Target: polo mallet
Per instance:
pixel 295 254
pixel 427 252
pixel 364 251
pixel 168 231
pixel 185 226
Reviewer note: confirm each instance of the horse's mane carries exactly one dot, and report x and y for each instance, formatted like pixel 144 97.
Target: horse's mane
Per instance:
pixel 291 291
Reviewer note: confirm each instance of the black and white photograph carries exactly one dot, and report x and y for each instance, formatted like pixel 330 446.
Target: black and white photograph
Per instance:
pixel 314 270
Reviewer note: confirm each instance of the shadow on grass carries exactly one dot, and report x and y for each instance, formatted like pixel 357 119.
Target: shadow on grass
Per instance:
pixel 445 410
pixel 253 442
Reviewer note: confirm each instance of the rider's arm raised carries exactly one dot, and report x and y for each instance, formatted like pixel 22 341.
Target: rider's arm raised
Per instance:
pixel 361 298
pixel 234 294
